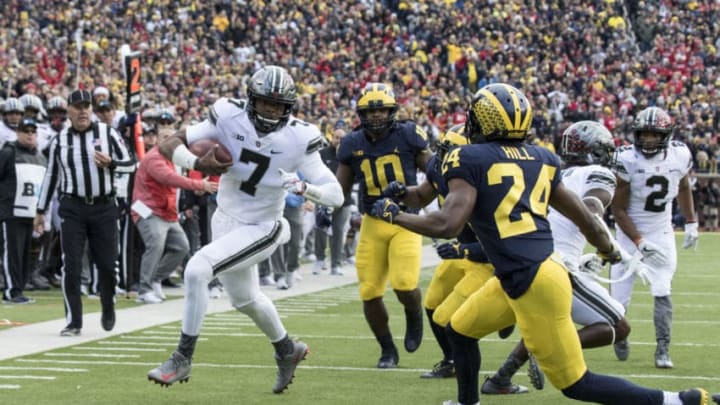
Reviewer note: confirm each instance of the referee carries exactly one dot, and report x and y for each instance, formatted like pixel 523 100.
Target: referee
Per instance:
pixel 81 166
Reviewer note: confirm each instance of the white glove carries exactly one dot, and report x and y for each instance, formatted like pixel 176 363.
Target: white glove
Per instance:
pixel 634 264
pixel 291 182
pixel 590 263
pixel 691 235
pixel 652 254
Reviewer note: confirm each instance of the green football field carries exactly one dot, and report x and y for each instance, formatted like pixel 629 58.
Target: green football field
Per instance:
pixel 234 363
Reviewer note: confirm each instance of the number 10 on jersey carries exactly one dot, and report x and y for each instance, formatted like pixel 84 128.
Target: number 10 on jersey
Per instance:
pixel 376 180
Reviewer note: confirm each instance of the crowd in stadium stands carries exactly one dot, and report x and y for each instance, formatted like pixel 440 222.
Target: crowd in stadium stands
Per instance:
pixel 575 59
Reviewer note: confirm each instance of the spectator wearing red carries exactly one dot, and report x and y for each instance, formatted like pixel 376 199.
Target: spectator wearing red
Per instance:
pixel 155 213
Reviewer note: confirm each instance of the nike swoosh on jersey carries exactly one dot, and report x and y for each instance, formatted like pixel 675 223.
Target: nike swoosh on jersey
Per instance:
pixel 275 152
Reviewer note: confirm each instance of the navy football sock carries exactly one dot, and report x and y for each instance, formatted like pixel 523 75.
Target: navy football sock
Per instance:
pixel 604 389
pixel 467 365
pixel 440 336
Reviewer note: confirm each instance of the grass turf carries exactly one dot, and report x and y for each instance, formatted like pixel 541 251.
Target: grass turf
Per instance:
pixel 234 364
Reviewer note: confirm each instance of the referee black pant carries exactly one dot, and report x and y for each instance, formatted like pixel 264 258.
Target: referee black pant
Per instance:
pixel 97 223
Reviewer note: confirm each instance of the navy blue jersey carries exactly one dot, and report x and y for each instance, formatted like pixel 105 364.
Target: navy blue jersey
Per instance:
pixel 514 182
pixel 376 164
pixel 435 178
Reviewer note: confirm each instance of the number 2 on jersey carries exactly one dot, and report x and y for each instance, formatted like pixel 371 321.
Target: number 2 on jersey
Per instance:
pixel 538 199
pixel 262 163
pixel 376 181
pixel 655 200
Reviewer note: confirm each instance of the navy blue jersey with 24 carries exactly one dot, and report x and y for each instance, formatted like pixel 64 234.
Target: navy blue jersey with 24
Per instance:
pixel 514 182
pixel 376 164
pixel 467 235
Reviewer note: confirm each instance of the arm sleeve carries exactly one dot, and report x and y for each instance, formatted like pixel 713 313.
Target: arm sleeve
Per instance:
pixel 322 186
pixel 620 168
pixel 420 139
pixel 122 160
pixel 47 189
pixel 600 178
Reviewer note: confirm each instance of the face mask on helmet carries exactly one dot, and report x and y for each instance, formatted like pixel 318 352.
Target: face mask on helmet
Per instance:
pixel 652 120
pixel 273 85
pixel 454 136
pixel 586 143
pixel 377 108
pixel 498 112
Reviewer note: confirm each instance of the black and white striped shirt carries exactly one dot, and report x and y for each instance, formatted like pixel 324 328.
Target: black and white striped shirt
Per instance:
pixel 71 164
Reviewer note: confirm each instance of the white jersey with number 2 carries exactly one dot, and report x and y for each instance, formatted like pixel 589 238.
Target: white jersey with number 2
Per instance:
pixel 654 183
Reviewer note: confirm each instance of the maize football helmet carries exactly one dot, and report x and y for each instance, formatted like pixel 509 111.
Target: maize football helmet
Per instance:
pixel 654 120
pixel 498 112
pixel 587 143
pixel 273 84
pixel 453 137
pixel 377 96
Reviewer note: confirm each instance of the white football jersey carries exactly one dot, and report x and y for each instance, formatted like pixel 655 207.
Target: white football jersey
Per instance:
pixel 569 241
pixel 251 191
pixel 654 183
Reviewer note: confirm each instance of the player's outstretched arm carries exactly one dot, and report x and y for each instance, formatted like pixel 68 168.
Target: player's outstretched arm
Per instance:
pixel 168 145
pixel 620 204
pixel 175 149
pixel 574 209
pixel 448 221
pixel 413 196
pixel 687 208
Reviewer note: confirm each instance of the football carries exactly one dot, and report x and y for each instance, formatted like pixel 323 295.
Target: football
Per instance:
pixel 201 147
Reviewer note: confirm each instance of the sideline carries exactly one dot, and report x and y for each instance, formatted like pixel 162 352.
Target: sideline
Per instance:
pixel 43 336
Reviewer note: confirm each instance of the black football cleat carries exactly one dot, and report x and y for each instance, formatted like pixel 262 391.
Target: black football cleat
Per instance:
pixel 443 369
pixel 389 359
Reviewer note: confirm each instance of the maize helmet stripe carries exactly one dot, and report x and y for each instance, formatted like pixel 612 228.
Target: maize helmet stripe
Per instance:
pixel 490 97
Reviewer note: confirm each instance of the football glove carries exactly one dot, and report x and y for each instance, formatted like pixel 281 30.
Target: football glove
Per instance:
pixel 591 263
pixel 641 270
pixel 452 250
pixel 385 209
pixel 691 235
pixel 291 182
pixel 613 256
pixel 652 254
pixel 323 217
pixel 395 190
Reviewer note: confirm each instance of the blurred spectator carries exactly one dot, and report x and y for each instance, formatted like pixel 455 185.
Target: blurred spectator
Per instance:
pixel 621 56
pixel 708 195
pixel 331 223
pixel 154 211
pixel 22 168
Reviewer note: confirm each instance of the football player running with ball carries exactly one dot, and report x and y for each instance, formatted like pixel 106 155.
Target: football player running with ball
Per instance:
pixel 268 146
pixel 650 174
pixel 503 187
pixel 376 153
